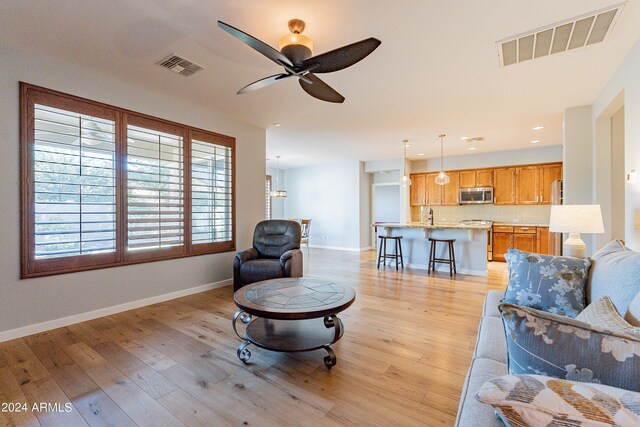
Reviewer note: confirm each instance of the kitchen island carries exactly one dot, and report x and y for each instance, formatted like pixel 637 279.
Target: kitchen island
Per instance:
pixel 470 246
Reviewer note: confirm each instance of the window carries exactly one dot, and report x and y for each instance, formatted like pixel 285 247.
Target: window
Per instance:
pixel 103 187
pixel 267 197
pixel 211 192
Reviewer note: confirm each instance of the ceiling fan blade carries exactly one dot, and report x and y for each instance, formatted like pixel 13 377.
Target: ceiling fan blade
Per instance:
pixel 343 57
pixel 321 90
pixel 256 44
pixel 259 84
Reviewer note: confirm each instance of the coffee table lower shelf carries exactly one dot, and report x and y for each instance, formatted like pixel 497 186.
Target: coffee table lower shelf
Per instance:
pixel 289 336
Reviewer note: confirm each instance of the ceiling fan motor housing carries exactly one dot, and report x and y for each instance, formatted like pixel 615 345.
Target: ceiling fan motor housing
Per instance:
pixel 296 53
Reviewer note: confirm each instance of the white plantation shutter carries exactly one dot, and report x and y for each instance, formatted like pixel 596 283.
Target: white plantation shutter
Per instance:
pixel 155 189
pixel 102 186
pixel 74 184
pixel 211 193
pixel 267 197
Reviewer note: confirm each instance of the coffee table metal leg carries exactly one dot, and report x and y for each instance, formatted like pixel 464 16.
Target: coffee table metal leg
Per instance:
pixel 332 321
pixel 243 352
pixel 245 318
pixel 330 360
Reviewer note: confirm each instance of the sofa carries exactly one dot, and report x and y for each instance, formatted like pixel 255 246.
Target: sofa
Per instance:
pixel 614 272
pixel 275 253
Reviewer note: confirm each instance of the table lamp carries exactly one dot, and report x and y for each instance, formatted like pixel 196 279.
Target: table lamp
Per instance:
pixel 575 219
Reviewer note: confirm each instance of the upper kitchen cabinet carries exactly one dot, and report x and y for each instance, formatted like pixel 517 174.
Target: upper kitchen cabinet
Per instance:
pixel 434 191
pixel 515 185
pixel 451 191
pixel 418 189
pixel 468 179
pixel 484 178
pixel 528 185
pixel 548 174
pixel 504 182
pixel 476 178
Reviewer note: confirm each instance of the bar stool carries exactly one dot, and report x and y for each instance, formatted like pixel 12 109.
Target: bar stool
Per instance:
pixel 382 254
pixel 451 260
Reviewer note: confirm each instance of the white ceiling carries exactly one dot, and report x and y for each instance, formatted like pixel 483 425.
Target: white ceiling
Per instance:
pixel 436 71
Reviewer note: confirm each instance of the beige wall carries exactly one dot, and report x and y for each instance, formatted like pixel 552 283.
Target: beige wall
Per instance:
pixel 618 176
pixel 26 302
pixel 625 83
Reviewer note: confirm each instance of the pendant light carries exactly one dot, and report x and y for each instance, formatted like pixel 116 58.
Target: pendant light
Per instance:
pixel 442 178
pixel 278 193
pixel 406 181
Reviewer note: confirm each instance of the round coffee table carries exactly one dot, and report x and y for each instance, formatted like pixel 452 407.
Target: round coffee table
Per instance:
pixel 284 315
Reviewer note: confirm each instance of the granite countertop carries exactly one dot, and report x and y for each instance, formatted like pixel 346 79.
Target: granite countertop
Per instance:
pixel 519 224
pixel 437 225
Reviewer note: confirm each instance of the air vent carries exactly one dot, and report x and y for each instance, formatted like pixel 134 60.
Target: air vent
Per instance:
pixel 179 65
pixel 574 33
pixel 475 139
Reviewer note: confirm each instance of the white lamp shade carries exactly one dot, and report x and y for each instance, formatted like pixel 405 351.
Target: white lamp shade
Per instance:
pixel 576 219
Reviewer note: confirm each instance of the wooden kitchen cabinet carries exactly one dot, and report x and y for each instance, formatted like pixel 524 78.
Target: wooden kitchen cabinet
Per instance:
pixel 526 238
pixel 418 189
pixel 468 179
pixel 504 181
pixel 476 178
pixel 484 178
pixel 501 244
pixel 542 241
pixel 548 174
pixel 451 191
pixel 515 185
pixel 525 241
pixel 434 191
pixel 528 185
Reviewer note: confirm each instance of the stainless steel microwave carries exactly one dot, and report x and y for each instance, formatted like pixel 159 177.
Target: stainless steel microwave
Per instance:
pixel 476 196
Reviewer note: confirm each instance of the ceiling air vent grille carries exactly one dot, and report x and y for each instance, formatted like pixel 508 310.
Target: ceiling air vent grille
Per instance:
pixel 574 33
pixel 179 65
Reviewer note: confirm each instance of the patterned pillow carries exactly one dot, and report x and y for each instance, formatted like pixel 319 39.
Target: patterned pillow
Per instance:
pixel 545 282
pixel 604 315
pixel 533 400
pixel 547 344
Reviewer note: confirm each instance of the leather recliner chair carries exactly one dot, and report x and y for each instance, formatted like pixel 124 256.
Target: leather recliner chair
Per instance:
pixel 275 253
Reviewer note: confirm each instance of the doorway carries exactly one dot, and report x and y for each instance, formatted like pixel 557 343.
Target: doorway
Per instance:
pixel 385 205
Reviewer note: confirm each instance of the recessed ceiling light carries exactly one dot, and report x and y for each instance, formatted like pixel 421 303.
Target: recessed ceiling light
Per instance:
pixel 538 127
pixel 472 148
pixel 535 141
pixel 407 145
pixel 464 138
pixel 420 154
pixel 276 124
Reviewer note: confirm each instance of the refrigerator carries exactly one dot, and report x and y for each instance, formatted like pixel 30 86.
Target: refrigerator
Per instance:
pixel 555 239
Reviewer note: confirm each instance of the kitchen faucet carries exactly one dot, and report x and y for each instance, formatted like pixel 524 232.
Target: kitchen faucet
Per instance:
pixel 431 215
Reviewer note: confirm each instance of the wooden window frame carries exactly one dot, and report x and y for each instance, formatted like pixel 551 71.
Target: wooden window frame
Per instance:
pixel 30 267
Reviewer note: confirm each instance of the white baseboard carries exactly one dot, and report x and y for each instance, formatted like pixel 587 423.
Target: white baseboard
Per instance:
pixel 340 248
pixel 106 311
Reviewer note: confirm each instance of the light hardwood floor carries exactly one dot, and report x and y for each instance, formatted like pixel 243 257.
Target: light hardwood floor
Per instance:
pixel 402 361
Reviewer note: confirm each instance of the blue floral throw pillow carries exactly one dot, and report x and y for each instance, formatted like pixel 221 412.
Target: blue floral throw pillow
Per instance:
pixel 542 343
pixel 549 283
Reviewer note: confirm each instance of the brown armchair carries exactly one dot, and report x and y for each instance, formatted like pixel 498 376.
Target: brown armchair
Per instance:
pixel 275 253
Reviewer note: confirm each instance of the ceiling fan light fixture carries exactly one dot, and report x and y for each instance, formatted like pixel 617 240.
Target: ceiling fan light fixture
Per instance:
pixel 295 39
pixel 295 45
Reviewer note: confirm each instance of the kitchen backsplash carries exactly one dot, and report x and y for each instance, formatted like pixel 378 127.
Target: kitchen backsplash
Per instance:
pixel 535 214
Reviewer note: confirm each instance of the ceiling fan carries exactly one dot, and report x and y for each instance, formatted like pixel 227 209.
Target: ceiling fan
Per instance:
pixel 295 56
